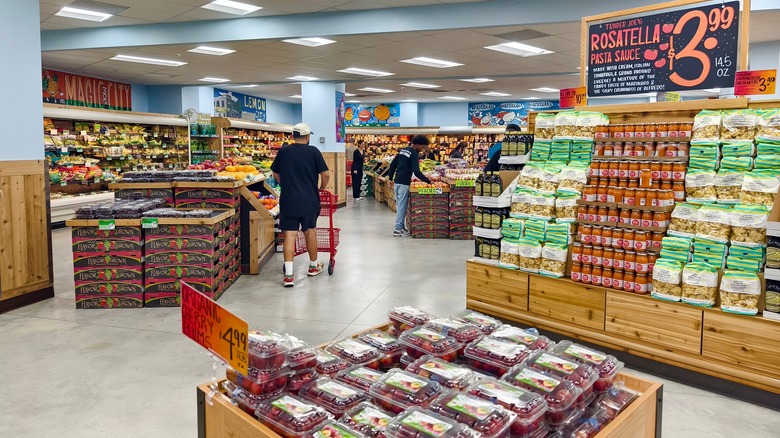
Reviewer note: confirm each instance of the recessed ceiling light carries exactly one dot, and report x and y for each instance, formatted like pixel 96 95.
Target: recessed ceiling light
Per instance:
pixel 245 86
pixel 310 42
pixel 478 80
pixel 354 101
pixel 231 7
pixel 142 60
pixel 350 94
pixel 431 62
pixel 302 78
pixel 296 96
pixel 215 80
pixel 545 90
pixel 83 14
pixel 495 94
pixel 365 72
pixel 530 98
pixel 206 50
pixel 519 49
pixel 420 85
pixel 376 90
pixel 409 100
pixel 452 98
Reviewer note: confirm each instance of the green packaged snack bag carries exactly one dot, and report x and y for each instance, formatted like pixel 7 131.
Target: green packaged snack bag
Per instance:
pixel 666 280
pixel 738 149
pixel 676 243
pixel 714 222
pixel 544 127
pixel 768 125
pixel 680 256
pixel 710 246
pixel 741 264
pixel 739 292
pixel 728 185
pixel 759 188
pixel 706 126
pixel 768 149
pixel 743 164
pixel 553 262
pixel 738 124
pixel 530 252
pixel 700 284
pixel 509 257
pixel 684 218
pixel 747 252
pixel 748 225
pixel 566 206
pixel 700 186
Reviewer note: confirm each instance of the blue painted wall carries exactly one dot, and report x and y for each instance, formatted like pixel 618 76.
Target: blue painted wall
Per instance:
pixel 140 96
pixel 443 114
pixel 165 99
pixel 280 112
pixel 297 113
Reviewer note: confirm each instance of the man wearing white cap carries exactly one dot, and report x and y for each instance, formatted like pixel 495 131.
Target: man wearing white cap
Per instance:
pixel 296 168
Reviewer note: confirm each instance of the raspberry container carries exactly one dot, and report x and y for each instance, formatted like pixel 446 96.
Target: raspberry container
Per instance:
pixel 582 375
pixel 331 429
pixel 356 352
pixel 585 427
pixel 398 390
pixel 607 366
pixel 300 378
pixel 490 420
pixel 367 419
pixel 494 356
pixel 388 345
pixel 407 317
pixel 334 396
pixel 259 382
pixel 301 355
pixel 421 341
pixel 529 407
pixel 448 374
pixel 532 340
pixel 406 360
pixel 485 323
pixel 244 399
pixel 421 423
pixel 359 377
pixel 561 395
pixel 290 416
pixel 329 364
pixel 616 399
pixel 267 350
pixel 463 332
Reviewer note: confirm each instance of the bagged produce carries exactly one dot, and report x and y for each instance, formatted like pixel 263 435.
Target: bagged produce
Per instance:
pixel 706 126
pixel 530 254
pixel 768 125
pixel 573 178
pixel 684 219
pixel 738 124
pixel 586 124
pixel 510 255
pixel 748 225
pixel 743 164
pixel 566 206
pixel 542 206
pixel 565 125
pixel 544 128
pixel 738 149
pixel 714 222
pixel 700 284
pixel 760 188
pixel 739 292
pixel 728 186
pixel 700 186
pixel 666 280
pixel 554 260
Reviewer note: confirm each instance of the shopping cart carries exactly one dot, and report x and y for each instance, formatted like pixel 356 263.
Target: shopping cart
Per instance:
pixel 327 238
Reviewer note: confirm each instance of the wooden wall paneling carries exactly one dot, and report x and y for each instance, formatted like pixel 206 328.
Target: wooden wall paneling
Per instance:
pixel 500 287
pixel 568 301
pixel 742 341
pixel 337 164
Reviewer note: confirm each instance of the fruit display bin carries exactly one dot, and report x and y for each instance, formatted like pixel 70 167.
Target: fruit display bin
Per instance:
pixel 207 195
pixel 218 417
pixel 161 190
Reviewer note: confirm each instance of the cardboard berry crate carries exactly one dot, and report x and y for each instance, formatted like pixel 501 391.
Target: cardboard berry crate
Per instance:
pixel 130 301
pixel 165 194
pixel 191 195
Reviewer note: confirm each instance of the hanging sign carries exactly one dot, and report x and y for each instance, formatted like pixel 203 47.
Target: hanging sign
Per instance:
pixel 383 114
pixel 76 90
pixel 686 49
pixel 239 106
pixel 571 97
pixel 504 113
pixel 752 82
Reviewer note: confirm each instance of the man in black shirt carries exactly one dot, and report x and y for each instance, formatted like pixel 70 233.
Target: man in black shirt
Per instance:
pixel 403 166
pixel 296 168
pixel 357 170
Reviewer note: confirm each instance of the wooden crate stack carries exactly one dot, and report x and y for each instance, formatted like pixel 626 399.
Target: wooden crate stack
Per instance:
pixel 461 212
pixel 429 214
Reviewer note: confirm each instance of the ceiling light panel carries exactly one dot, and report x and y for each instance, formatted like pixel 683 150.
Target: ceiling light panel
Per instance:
pixel 452 98
pixel 144 60
pixel 206 50
pixel 420 85
pixel 231 7
pixel 310 42
pixel 545 90
pixel 495 94
pixel 350 94
pixel 83 14
pixel 431 62
pixel 354 101
pixel 519 49
pixel 365 72
pixel 296 96
pixel 215 80
pixel 478 80
pixel 376 90
pixel 302 78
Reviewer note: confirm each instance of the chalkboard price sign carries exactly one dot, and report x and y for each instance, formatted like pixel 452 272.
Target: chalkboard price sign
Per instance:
pixel 687 49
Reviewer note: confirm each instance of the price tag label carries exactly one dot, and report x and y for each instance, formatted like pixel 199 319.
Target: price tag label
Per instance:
pixel 464 183
pixel 106 224
pixel 79 150
pixel 64 149
pixel 571 97
pixel 149 222
pixel 214 328
pixel 53 132
pixel 63 183
pixel 429 191
pixel 84 133
pixel 155 135
pixel 65 132
pixel 753 82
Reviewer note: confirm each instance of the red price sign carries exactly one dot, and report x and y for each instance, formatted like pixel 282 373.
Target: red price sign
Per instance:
pixel 750 82
pixel 214 328
pixel 571 97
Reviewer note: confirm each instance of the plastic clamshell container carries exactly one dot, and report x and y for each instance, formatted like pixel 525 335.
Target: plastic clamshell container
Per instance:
pixel 359 377
pixel 616 399
pixel 260 382
pixel 244 399
pixel 421 341
pixel 585 426
pixel 406 360
pixel 331 429
pixel 356 352
pixel 532 340
pixel 607 366
pixel 420 423
pixel 490 420
pixel 398 390
pixel 529 407
pixel 267 350
pixel 561 395
pixel 493 355
pixel 329 364
pixel 407 317
pixel 463 332
pixel 448 374
pixel 387 344
pixel 301 355
pixel 367 419
pixel 290 416
pixel 300 378
pixel 334 396
pixel 584 376
pixel 486 324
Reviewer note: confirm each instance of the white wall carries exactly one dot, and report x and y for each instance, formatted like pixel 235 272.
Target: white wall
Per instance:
pixel 409 114
pixel 443 114
pixel 765 56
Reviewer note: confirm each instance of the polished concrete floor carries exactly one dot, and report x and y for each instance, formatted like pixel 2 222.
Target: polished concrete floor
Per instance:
pixel 131 373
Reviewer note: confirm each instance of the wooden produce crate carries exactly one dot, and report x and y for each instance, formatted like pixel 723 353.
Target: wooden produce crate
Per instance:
pixel 379 189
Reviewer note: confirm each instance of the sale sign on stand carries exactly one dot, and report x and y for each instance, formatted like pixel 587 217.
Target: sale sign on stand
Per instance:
pixel 571 97
pixel 214 328
pixel 753 82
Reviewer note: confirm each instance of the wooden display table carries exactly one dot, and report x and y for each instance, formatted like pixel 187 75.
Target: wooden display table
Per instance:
pixel 739 348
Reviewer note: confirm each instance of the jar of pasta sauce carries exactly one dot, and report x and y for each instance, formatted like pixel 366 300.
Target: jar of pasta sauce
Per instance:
pixel 628 281
pixel 597 276
pixel 617 279
pixel 608 258
pixel 607 277
pixel 620 259
pixel 642 263
pixel 576 272
pixel 641 285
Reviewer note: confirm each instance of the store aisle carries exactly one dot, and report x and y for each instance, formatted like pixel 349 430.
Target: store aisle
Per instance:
pixel 130 373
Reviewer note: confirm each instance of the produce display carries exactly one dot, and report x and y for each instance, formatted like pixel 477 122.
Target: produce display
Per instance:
pixel 329 364
pixel 420 423
pixel 492 421
pixel 298 379
pixel 301 355
pixel 561 395
pixel 290 416
pixel 607 366
pixel 406 317
pixel 494 356
pixel 463 332
pixel 336 397
pixel 438 370
pixel 387 344
pixel 579 374
pixel 532 341
pixel 260 382
pixel 380 147
pixel 243 398
pixel 359 377
pixel 398 390
pixel 335 430
pixel 356 352
pixel 530 408
pixel 421 341
pixel 267 350
pixel 486 324
pixel 367 419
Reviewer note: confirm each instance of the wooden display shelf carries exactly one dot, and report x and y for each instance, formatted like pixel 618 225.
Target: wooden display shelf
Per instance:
pixel 739 348
pixel 96 222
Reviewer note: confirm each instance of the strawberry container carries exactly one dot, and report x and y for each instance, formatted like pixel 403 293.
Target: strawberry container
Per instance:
pixel 421 341
pixel 299 378
pixel 490 420
pixel 367 419
pixel 301 355
pixel 421 423
pixel 359 377
pixel 616 399
pixel 494 356
pixel 531 339
pixel 259 382
pixel 267 350
pixel 329 364
pixel 607 366
pixel 585 427
pixel 387 345
pixel 332 429
pixel 406 360
pixel 290 416
pixel 398 390
pixel 561 395
pixel 356 352
pixel 582 375
pixel 463 332
pixel 334 396
pixel 244 399
pixel 530 408
pixel 486 324
pixel 407 317
pixel 448 374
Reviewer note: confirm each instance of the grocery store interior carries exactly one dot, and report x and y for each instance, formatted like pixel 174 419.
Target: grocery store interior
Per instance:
pixel 632 242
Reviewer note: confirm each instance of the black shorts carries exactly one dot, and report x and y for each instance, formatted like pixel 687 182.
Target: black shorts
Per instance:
pixel 302 223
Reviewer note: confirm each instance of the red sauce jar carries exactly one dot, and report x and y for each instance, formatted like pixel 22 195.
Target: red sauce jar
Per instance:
pixel 628 281
pixel 576 272
pixel 597 277
pixel 617 279
pixel 607 277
